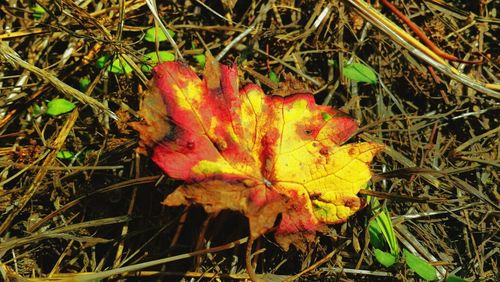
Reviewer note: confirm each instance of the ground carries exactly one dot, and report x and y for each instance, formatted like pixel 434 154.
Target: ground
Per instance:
pixel 77 198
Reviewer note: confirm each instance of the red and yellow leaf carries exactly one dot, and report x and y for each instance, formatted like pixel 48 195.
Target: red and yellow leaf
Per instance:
pixel 262 155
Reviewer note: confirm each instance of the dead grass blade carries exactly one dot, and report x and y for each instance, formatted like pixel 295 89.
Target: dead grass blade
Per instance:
pixel 152 7
pixel 56 145
pixel 62 232
pixel 132 268
pixel 10 56
pixel 407 41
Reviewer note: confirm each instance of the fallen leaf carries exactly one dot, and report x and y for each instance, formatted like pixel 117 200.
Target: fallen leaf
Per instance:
pixel 261 155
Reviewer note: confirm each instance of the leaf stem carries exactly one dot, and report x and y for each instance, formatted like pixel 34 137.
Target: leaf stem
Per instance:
pixel 248 260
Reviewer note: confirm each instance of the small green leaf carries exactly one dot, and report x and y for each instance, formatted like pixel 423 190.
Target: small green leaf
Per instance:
pixel 65 155
pixel 37 110
pixel 384 258
pixel 360 72
pixel 383 225
pixel 59 106
pixel 201 59
pixel 120 67
pixel 153 32
pixel 273 77
pixel 332 62
pixel 101 62
pixel 152 59
pixel 376 236
pixel 453 278
pixel 84 83
pixel 420 266
pixel 38 11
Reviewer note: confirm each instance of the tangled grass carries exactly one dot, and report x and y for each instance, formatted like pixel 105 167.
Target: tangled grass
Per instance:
pixel 96 214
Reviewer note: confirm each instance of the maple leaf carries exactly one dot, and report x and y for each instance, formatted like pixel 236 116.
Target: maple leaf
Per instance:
pixel 261 155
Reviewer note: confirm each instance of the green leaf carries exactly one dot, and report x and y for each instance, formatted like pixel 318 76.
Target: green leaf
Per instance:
pixel 59 106
pixel 273 77
pixel 38 11
pixel 65 155
pixel 120 66
pixel 37 110
pixel 360 72
pixel 383 225
pixel 153 32
pixel 453 278
pixel 101 62
pixel 201 59
pixel 384 258
pixel 376 236
pixel 420 266
pixel 152 59
pixel 84 83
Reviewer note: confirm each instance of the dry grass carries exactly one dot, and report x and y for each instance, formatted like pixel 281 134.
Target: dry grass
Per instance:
pixel 64 219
